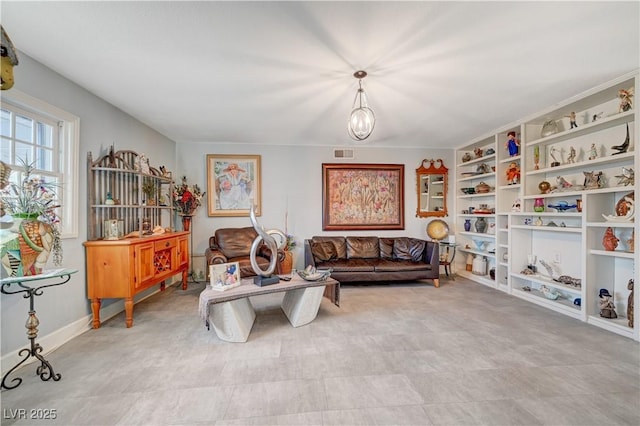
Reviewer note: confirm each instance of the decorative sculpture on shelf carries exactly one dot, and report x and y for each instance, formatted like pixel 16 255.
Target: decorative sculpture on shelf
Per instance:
pixel 264 277
pixel 625 211
pixel 592 180
pixel 513 174
pixel 549 293
pixel 572 156
pixel 626 103
pixel 512 144
pixel 627 177
pixel 624 146
pixel 562 206
pixel 593 152
pixel 607 308
pixel 609 240
pixel 552 153
pixel 572 119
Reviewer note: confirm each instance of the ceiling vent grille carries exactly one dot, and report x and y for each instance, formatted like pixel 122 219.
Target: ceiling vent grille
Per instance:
pixel 343 154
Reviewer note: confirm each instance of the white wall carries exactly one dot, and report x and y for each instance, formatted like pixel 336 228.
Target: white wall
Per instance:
pixel 292 181
pixel 101 125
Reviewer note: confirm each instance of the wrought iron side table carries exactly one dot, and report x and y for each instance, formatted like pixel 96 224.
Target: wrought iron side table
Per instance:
pixel 447 256
pixel 29 286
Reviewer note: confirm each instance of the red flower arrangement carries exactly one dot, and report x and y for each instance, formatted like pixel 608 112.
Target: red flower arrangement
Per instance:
pixel 187 199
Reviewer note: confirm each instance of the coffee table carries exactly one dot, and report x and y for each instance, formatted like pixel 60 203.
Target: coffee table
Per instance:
pixel 232 315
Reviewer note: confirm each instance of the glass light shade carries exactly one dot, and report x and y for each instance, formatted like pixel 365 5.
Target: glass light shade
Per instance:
pixel 362 119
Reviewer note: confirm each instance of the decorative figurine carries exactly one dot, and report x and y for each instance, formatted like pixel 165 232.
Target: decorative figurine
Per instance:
pixel 593 152
pixel 572 119
pixel 625 145
pixel 512 144
pixel 631 241
pixel 478 152
pixel 490 151
pixel 513 174
pixel 552 152
pixel 466 157
pixel 539 221
pixel 607 308
pixel 536 157
pixel 109 200
pixel 544 187
pixel 630 303
pixel 626 103
pixel 596 117
pixel 549 293
pixel 609 240
pixel 572 156
pixel 516 206
pixel 592 180
pixel 563 183
pixel 627 177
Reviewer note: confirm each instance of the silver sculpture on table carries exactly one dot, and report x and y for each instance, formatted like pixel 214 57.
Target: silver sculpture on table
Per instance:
pixel 265 277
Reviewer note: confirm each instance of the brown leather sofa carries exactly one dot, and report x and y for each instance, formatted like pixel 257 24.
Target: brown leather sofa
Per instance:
pixel 374 258
pixel 234 245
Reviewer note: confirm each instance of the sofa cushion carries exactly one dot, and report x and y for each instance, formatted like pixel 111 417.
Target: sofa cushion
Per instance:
pixel 363 248
pixel 339 242
pixel 350 265
pixel 401 265
pixel 405 248
pixel 386 248
pixel 323 251
pixel 235 242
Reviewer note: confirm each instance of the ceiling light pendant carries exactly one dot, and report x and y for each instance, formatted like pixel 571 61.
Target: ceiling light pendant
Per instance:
pixel 362 119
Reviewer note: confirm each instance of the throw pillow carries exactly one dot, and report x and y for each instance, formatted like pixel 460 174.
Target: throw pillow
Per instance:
pixel 401 249
pixel 416 248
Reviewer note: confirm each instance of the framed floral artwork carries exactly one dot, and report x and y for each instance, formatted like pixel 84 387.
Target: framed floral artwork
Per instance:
pixel 233 183
pixel 362 196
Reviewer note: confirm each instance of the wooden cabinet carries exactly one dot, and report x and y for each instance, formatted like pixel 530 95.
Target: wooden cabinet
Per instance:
pixel 123 268
pixel 583 150
pixel 128 198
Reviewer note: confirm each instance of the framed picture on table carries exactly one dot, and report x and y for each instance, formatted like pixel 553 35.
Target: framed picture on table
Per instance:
pixel 224 276
pixel 233 183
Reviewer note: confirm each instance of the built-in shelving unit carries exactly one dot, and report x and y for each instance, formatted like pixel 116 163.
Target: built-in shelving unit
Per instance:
pixel 569 240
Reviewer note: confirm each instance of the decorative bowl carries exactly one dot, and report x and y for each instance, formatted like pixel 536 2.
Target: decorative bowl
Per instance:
pixel 317 275
pixel 468 190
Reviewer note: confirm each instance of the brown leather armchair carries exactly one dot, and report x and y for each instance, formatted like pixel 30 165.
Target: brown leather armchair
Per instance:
pixel 234 245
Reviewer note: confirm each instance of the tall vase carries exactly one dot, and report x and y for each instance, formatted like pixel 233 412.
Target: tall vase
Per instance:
pixel 29 247
pixel 186 223
pixel 286 264
pixel 467 225
pixel 481 225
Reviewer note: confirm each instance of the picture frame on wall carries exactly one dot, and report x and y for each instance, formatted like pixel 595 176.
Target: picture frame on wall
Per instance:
pixel 233 183
pixel 362 196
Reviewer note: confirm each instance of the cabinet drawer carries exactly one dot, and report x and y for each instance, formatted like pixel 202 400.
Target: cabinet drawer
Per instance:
pixel 165 244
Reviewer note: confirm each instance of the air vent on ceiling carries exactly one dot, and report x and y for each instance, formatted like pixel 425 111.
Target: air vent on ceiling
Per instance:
pixel 343 154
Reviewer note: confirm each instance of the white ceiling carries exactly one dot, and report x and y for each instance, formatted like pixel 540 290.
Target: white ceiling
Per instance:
pixel 440 73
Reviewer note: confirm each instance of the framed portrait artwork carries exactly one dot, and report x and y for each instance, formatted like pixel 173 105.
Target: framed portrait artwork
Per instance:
pixel 362 196
pixel 233 183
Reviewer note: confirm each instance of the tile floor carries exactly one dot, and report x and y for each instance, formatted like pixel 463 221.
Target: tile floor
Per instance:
pixel 402 354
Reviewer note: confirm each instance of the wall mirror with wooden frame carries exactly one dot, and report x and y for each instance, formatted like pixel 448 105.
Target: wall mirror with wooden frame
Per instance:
pixel 432 177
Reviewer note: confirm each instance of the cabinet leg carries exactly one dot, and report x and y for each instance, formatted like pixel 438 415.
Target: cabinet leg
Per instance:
pixel 185 275
pixel 128 311
pixel 95 310
pixel 162 286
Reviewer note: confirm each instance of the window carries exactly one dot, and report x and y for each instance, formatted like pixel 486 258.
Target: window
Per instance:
pixel 36 132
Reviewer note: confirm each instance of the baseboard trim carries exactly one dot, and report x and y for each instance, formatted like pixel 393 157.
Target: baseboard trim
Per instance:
pixel 59 337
